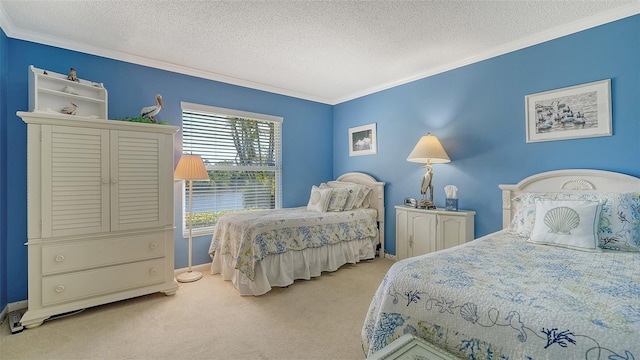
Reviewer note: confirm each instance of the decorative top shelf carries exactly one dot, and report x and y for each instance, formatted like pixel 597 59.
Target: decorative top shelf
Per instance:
pixel 50 92
pixel 70 95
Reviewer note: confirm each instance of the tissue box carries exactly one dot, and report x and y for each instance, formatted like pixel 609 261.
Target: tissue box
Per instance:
pixel 451 204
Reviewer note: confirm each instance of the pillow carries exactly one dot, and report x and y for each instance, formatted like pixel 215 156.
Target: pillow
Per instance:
pixel 357 193
pixel 619 225
pixel 361 196
pixel 571 223
pixel 524 215
pixel 366 203
pixel 338 198
pixel 319 199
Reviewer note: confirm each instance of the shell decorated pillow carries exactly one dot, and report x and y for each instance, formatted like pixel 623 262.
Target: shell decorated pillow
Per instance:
pixel 569 223
pixel 618 227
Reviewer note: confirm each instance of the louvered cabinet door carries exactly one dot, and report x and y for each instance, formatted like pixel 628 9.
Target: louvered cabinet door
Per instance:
pixel 139 174
pixel 74 181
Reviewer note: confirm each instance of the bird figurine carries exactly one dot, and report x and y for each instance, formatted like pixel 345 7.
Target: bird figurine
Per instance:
pixel 69 110
pixel 72 75
pixel 426 180
pixel 149 112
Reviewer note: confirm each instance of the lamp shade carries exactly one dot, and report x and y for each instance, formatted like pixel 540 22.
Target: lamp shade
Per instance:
pixel 429 150
pixel 190 167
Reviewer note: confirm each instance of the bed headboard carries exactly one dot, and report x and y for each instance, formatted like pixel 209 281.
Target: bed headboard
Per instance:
pixel 377 197
pixel 571 181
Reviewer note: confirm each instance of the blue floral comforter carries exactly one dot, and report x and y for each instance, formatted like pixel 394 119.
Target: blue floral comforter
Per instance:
pixel 500 297
pixel 253 235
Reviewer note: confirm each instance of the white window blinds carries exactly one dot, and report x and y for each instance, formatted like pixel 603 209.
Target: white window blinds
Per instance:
pixel 242 153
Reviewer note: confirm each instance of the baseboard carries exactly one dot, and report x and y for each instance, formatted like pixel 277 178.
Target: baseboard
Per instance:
pixel 389 256
pixel 18 305
pixel 202 268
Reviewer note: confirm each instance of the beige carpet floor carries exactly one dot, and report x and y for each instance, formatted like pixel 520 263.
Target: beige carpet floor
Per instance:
pixel 207 319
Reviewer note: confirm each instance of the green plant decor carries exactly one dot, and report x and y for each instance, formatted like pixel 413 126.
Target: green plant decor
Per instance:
pixel 140 119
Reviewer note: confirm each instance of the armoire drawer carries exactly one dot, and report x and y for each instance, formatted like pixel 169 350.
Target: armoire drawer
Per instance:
pixel 104 252
pixel 85 284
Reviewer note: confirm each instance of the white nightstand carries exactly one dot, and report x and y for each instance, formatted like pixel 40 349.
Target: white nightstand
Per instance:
pixel 421 231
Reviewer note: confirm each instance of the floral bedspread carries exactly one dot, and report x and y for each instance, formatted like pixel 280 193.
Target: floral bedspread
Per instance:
pixel 500 297
pixel 251 236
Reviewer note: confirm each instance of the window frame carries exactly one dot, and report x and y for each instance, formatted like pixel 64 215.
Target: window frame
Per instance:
pixel 231 113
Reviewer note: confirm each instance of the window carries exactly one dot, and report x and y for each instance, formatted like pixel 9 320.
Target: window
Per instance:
pixel 242 154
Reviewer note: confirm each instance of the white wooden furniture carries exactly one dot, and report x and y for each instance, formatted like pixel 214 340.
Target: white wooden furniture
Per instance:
pixel 100 212
pixel 50 92
pixel 410 347
pixel 565 181
pixel 376 197
pixel 421 231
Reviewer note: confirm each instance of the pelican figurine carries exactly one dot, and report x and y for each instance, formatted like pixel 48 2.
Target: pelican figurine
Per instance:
pixel 150 112
pixel 69 110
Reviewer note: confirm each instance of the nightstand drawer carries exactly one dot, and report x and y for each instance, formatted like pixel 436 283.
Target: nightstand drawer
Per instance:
pixel 102 252
pixel 84 284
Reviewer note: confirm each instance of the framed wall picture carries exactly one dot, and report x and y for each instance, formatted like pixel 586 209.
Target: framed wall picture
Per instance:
pixel 362 140
pixel 569 113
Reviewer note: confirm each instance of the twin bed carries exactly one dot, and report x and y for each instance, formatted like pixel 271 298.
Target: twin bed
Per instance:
pixel 545 287
pixel 258 250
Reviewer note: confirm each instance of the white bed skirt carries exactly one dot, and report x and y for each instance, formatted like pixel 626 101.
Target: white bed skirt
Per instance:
pixel 283 269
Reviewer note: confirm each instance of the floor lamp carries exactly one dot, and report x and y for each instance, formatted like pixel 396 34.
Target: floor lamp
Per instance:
pixel 190 167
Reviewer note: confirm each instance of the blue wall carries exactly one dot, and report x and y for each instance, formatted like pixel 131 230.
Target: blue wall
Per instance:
pixel 478 113
pixel 130 88
pixel 3 168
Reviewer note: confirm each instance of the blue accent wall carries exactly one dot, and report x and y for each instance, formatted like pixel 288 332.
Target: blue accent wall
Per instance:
pixel 478 113
pixel 3 168
pixel 307 134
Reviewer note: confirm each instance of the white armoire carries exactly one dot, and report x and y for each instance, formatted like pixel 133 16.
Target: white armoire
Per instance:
pixel 100 212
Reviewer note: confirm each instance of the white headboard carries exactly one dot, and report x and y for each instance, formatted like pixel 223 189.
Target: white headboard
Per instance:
pixel 377 197
pixel 571 181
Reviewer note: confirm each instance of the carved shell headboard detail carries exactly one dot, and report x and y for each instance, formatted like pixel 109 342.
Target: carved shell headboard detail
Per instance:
pixel 578 184
pixel 573 180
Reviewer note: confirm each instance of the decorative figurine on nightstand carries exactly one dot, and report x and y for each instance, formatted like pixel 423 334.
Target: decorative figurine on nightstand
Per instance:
pixel 150 112
pixel 69 110
pixel 72 75
pixel 427 187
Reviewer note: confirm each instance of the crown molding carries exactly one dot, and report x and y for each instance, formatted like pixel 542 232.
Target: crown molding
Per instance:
pixel 550 34
pixel 541 37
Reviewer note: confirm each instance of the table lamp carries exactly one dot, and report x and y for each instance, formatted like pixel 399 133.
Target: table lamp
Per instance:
pixel 428 150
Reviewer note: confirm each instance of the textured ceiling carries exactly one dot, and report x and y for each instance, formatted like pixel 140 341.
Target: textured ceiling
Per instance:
pixel 326 51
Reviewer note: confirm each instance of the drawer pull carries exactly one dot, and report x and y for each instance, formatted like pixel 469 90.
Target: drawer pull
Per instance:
pixel 153 245
pixel 105 180
pixel 153 271
pixel 60 288
pixel 59 258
